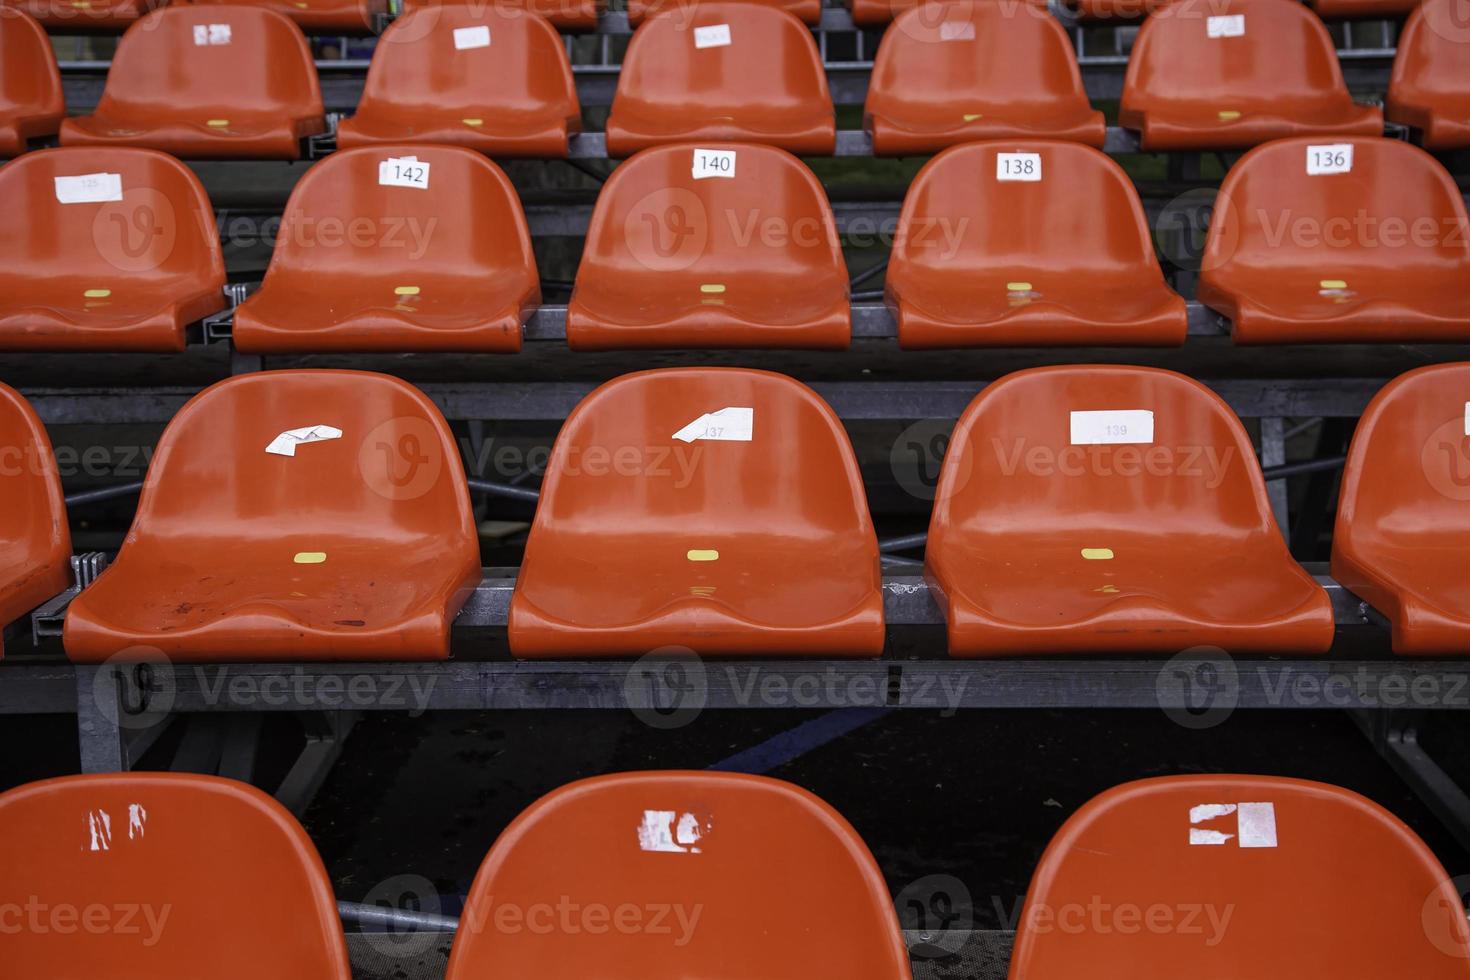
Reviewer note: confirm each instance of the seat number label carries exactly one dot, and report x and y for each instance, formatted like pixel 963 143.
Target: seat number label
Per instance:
pixel 404 172
pixel 1231 25
pixel 1112 428
pixel 713 36
pixel 714 163
pixel 1018 166
pixel 89 188
pixel 1254 825
pixel 285 444
pixel 726 425
pixel 207 34
pixel 471 37
pixel 957 30
pixel 1330 158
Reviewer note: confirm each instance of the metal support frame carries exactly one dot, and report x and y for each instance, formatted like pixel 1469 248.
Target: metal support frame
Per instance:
pixel 1395 736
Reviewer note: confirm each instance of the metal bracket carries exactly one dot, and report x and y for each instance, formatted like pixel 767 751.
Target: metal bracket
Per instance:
pixel 219 326
pixel 322 144
pixel 47 620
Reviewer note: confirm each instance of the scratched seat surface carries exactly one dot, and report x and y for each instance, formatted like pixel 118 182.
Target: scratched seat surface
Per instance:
pixel 145 856
pixel 1244 876
pixel 117 251
pixel 32 104
pixel 35 540
pixel 1102 508
pixel 207 82
pixel 676 845
pixel 290 515
pixel 444 264
pixel 734 522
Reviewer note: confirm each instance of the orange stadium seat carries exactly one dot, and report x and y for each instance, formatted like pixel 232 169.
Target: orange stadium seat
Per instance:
pixel 1237 73
pixel 36 553
pixel 1363 9
pixel 876 13
pixel 84 16
pixel 1028 244
pixel 212 82
pixel 974 70
pixel 708 854
pixel 569 15
pixel 725 71
pixel 291 515
pixel 445 266
pixel 495 82
pixel 1115 9
pixel 678 255
pixel 1348 240
pixel 163 872
pixel 115 250
pixel 1239 876
pixel 31 101
pixel 720 509
pixel 810 11
pixel 1401 524
pixel 1430 86
pixel 1103 509
pixel 357 17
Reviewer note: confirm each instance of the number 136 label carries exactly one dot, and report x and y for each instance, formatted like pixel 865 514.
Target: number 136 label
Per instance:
pixel 1331 158
pixel 1018 166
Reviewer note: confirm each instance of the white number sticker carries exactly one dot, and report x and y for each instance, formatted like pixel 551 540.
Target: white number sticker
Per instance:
pixel 714 36
pixel 285 444
pixel 1018 166
pixel 88 188
pixel 1329 158
pixel 1467 418
pixel 206 34
pixel 1112 428
pixel 1232 25
pixel 714 163
pixel 1255 825
pixel 957 30
pixel 471 37
pixel 404 172
pixel 726 425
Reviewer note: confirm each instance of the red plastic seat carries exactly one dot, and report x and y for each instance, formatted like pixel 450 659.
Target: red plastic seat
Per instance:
pixel 124 267
pixel 1238 73
pixel 153 875
pixel 31 101
pixel 35 541
pixel 673 260
pixel 569 15
pixel 212 82
pixel 875 13
pixel 1376 254
pixel 447 267
pixel 1101 509
pixel 291 515
pixel 84 16
pixel 357 17
pixel 1363 9
pixel 1239 876
pixel 1116 9
pixel 1430 87
pixel 716 508
pixel 1065 259
pixel 725 71
pixel 1401 526
pixel 493 81
pixel 810 11
pixel 700 859
pixel 975 70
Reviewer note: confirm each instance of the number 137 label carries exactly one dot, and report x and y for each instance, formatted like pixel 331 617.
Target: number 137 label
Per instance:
pixel 1018 166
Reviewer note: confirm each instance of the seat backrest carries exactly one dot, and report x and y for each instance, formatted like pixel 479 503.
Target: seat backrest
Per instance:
pixel 1035 454
pixel 29 78
pixel 472 54
pixel 1227 50
pixel 983 50
pixel 187 58
pixel 32 509
pixel 667 479
pixel 109 214
pixel 461 216
pixel 722 55
pixel 164 876
pixel 1396 203
pixel 1239 876
pixel 1433 59
pixel 1408 472
pixel 256 455
pixel 708 205
pixel 959 215
pixel 687 872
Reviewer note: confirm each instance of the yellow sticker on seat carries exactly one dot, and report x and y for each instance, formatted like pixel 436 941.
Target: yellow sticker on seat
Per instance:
pixel 972 116
pixel 218 123
pixel 97 293
pixel 310 557
pixel 1097 554
pixel 1018 287
pixel 712 287
pixel 1229 115
pixel 473 122
pixel 1333 284
pixel 405 290
pixel 703 554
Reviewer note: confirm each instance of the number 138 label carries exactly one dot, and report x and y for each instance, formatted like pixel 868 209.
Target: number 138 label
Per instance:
pixel 1018 166
pixel 403 172
pixel 1331 158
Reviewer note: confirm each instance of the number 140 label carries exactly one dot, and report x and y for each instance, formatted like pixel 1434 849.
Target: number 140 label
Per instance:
pixel 1018 166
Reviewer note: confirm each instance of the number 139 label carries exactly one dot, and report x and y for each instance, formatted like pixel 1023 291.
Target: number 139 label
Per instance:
pixel 1018 166
pixel 404 172
pixel 1331 158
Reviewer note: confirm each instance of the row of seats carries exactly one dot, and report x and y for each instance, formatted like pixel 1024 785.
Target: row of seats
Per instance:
pixel 1034 243
pixel 320 515
pixel 350 17
pixel 501 83
pixel 876 13
pixel 215 871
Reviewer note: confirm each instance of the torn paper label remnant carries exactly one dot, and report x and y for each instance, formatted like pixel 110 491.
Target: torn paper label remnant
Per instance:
pixel 285 444
pixel 736 424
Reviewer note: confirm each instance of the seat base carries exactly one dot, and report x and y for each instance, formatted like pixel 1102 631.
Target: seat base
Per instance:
pixel 629 132
pixel 1200 128
pixel 34 327
pixel 913 137
pixel 1145 317
pixel 263 139
pixel 534 138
